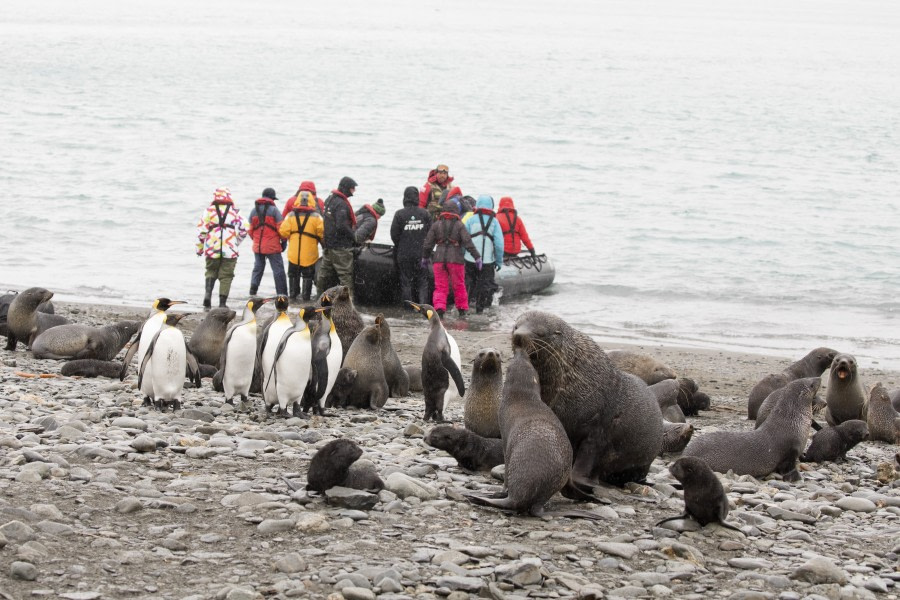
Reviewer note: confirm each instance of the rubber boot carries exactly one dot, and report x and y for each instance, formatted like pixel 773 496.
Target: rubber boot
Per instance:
pixel 207 297
pixel 307 288
pixel 222 300
pixel 294 286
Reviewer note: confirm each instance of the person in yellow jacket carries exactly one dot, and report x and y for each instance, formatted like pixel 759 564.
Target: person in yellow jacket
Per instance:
pixel 304 229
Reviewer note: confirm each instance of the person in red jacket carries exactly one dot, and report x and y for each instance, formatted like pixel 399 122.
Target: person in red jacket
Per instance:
pixel 265 219
pixel 514 232
pixel 438 182
pixel 310 188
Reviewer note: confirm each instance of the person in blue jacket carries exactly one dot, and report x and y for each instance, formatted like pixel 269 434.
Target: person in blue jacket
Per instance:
pixel 486 234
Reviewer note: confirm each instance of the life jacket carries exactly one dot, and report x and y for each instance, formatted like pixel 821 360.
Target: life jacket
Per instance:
pixel 442 237
pixel 301 227
pixel 222 225
pixel 485 227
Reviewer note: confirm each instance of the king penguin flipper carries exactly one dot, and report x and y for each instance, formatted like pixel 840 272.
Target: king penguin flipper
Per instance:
pixel 147 356
pixel 193 367
pixel 453 369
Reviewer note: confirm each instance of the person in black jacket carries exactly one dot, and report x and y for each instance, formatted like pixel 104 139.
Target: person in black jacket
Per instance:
pixel 408 231
pixel 340 221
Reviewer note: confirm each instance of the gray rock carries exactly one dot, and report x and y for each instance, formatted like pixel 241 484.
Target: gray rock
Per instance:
pixel 750 563
pixel 272 526
pixel 357 593
pixel 520 573
pixel 819 570
pixel 143 443
pixel 243 593
pixel 129 505
pixel 130 423
pixel 23 570
pixel 465 584
pixel 405 486
pixel 200 452
pixel 289 563
pixel 197 415
pixel 17 531
pixel 350 498
pixel 854 504
pixel 617 549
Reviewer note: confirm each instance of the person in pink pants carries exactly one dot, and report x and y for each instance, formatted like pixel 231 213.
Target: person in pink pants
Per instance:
pixel 447 239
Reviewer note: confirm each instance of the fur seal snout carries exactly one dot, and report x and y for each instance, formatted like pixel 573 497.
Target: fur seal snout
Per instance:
pixel 845 396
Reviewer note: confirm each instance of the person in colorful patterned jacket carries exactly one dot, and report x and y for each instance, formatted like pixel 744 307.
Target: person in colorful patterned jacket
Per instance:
pixel 487 236
pixel 220 232
pixel 514 232
pixel 438 182
pixel 264 222
pixel 304 230
pixel 447 238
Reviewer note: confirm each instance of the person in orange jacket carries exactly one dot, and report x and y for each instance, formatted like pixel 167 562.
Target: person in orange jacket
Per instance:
pixel 514 232
pixel 304 230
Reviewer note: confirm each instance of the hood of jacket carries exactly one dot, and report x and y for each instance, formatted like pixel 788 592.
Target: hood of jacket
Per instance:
pixel 485 204
pixel 506 203
pixel 346 185
pixel 307 186
pixel 432 178
pixel 411 196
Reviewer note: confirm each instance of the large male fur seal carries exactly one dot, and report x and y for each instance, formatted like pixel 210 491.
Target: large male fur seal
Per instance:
pixel 882 419
pixel 471 451
pixel 811 365
pixel 482 399
pixel 831 443
pixel 347 321
pixel 845 396
pixel 704 497
pixel 208 339
pixel 82 341
pixel 642 366
pixel 612 419
pixel 370 388
pixel 394 373
pixel 774 447
pixel 25 322
pixel 331 464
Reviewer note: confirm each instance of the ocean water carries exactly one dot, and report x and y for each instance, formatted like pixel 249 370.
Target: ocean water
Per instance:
pixel 703 173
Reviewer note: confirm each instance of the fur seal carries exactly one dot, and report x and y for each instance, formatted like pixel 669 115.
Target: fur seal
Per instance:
pixel 482 399
pixel 774 398
pixel 331 464
pixel 347 321
pixel 676 436
pixel 704 497
pixel 612 418
pixel 209 338
pixel 667 392
pixel 414 372
pixel 690 399
pixel 642 366
pixel 396 377
pixel 91 367
pixel 811 365
pixel 25 322
pixel 774 447
pixel 831 443
pixel 882 419
pixel 472 451
pixel 895 400
pixel 83 341
pixel 343 385
pixel 6 299
pixel 440 364
pixel 370 388
pixel 845 396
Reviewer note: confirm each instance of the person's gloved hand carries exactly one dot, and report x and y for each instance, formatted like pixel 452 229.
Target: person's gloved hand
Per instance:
pixel 478 264
pixel 533 255
pixel 497 266
pixel 424 263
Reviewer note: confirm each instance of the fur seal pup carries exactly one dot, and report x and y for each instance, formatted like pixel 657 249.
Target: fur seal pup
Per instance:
pixel 6 299
pixel 667 392
pixel 611 417
pixel 396 376
pixel 811 365
pixel 472 451
pixel 208 339
pixel 414 372
pixel 83 341
pixel 327 355
pixel 91 367
pixel 882 419
pixel 642 366
pixel 370 388
pixel 347 320
pixel 774 447
pixel 331 464
pixel 146 331
pixel 704 497
pixel 343 385
pixel 676 436
pixel 845 396
pixel 440 363
pixel 690 399
pixel 25 322
pixel 237 361
pixel 481 413
pixel 831 443
pixel 161 375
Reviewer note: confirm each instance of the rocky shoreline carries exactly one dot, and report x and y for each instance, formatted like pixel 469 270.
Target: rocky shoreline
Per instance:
pixel 101 498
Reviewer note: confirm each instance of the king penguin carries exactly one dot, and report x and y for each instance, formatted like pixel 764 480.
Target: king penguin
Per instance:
pixel 292 365
pixel 440 363
pixel 238 357
pixel 268 345
pixel 327 354
pixel 161 374
pixel 145 333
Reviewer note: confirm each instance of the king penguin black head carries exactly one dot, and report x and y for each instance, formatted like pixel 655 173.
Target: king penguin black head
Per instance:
pixel 165 304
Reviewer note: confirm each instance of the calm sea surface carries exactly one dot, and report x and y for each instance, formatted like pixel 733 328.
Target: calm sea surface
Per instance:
pixel 709 174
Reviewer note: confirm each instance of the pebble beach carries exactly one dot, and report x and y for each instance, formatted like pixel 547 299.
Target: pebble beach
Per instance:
pixel 102 498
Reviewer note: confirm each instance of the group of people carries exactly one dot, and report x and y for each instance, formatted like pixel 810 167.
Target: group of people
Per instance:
pixel 442 240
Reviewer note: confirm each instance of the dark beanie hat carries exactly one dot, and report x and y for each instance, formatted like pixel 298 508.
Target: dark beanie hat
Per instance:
pixel 346 185
pixel 379 207
pixel 269 193
pixel 410 196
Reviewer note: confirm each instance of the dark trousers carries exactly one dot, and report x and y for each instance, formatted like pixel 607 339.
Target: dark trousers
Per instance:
pixel 295 274
pixel 414 285
pixel 480 285
pixel 259 266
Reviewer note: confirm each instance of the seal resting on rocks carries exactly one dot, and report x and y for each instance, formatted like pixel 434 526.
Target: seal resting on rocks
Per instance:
pixel 811 365
pixel 845 396
pixel 704 497
pixel 642 366
pixel 25 322
pixel 331 464
pixel 394 373
pixel 347 321
pixel 611 418
pixel 667 392
pixel 482 399
pixel 676 436
pixel 91 367
pixel 774 447
pixel 369 388
pixel 471 451
pixel 208 339
pixel 882 419
pixel 831 443
pixel 6 299
pixel 83 341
